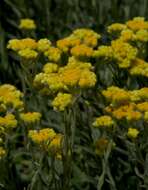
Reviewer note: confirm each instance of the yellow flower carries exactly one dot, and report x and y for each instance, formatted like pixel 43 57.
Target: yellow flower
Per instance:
pixel 51 80
pixel 30 117
pixel 127 35
pixel 43 44
pixel 16 44
pixel 50 68
pixel 27 24
pixel 67 43
pixel 104 120
pixel 2 152
pixel 86 36
pixel 116 95
pixel 132 133
pixel 123 52
pixel 53 54
pixel 137 23
pixel 139 95
pixel 28 53
pixel 116 27
pixel 82 51
pixel 142 106
pixel 77 73
pixel 139 67
pixel 42 136
pixel 61 101
pixel 55 144
pixel 128 112
pixel 87 79
pixel 10 96
pixel 104 51
pixel 8 121
pixel 70 76
pixel 142 35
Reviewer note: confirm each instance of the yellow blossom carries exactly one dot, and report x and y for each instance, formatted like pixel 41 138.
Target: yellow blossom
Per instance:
pixel 127 35
pixel 104 120
pixel 142 35
pixel 123 52
pixel 116 27
pixel 143 107
pixel 28 53
pixel 128 112
pixel 116 94
pixel 132 133
pixel 8 121
pixel 137 23
pixel 27 24
pixel 139 95
pixel 82 51
pixel 16 44
pixel 10 96
pixel 67 43
pixel 61 101
pixel 87 36
pixel 139 67
pixel 43 44
pixel 42 136
pixel 50 68
pixel 53 54
pixel 87 79
pixel 30 117
pixel 103 51
pixel 55 144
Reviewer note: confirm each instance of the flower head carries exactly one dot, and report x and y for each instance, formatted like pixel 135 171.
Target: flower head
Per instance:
pixel 27 24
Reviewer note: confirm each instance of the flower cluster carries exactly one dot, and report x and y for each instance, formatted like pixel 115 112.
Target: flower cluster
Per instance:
pixel 139 67
pixel 104 120
pixel 29 48
pixel 122 52
pixel 61 101
pixel 10 97
pixel 27 24
pixel 7 122
pixel 132 133
pixel 80 39
pixel 130 105
pixel 132 30
pixel 47 139
pixel 30 117
pixel 76 74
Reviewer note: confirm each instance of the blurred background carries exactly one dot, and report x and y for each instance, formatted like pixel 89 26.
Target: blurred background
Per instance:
pixel 57 18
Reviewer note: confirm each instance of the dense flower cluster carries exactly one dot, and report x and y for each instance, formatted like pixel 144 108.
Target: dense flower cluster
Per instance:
pixel 139 67
pixel 126 104
pixel 80 39
pixel 27 24
pixel 132 133
pixel 76 74
pixel 132 30
pixel 61 101
pixel 103 121
pixel 30 117
pixel 47 139
pixel 10 97
pixel 7 122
